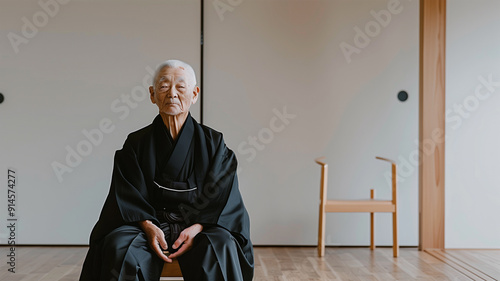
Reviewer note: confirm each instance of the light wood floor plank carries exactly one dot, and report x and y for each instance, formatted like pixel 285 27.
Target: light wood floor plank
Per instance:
pixel 288 264
pixel 485 260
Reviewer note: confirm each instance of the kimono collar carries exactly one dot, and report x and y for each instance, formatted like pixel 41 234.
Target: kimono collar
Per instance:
pixel 179 148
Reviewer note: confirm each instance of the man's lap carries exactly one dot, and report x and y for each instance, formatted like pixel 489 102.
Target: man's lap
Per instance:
pixel 121 238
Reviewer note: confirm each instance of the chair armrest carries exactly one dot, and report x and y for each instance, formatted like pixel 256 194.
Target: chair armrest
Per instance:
pixel 386 159
pixel 321 161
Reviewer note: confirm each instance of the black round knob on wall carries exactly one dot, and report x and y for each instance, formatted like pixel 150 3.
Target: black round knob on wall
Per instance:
pixel 1 98
pixel 402 96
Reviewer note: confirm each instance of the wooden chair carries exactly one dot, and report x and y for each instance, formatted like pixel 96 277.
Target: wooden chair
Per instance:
pixel 370 206
pixel 172 271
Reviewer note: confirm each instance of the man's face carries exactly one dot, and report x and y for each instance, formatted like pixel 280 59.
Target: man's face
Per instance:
pixel 174 92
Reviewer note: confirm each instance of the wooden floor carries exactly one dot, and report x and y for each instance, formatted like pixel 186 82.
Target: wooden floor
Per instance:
pixel 290 263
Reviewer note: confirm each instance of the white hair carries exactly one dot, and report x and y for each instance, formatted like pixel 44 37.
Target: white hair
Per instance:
pixel 175 64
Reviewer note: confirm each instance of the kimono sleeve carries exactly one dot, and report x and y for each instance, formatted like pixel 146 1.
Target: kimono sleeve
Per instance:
pixel 127 201
pixel 130 187
pixel 221 202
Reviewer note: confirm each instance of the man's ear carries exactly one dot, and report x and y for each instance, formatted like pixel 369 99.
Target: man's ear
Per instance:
pixel 196 93
pixel 152 94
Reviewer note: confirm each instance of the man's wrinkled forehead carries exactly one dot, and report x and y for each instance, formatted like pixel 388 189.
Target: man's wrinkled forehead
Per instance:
pixel 174 78
pixel 170 74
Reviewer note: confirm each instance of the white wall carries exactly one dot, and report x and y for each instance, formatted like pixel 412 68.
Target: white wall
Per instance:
pixel 75 71
pixel 472 178
pixel 264 56
pixel 261 56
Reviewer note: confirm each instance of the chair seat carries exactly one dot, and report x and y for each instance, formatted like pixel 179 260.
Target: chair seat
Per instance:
pixel 171 269
pixel 357 206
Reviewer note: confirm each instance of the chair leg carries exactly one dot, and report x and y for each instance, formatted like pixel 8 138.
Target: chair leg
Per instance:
pixel 372 223
pixel 395 243
pixel 321 232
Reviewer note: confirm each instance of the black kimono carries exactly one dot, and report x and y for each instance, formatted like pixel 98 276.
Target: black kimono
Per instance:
pixel 174 184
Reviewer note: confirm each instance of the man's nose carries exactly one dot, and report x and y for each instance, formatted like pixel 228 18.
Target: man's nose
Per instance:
pixel 172 93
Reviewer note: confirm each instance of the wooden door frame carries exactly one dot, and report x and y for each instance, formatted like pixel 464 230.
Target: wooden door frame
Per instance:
pixel 432 123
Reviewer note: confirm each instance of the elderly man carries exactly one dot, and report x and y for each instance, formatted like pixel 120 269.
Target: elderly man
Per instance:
pixel 174 194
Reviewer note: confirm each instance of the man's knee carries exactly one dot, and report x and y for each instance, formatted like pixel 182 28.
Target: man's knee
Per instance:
pixel 217 237
pixel 120 239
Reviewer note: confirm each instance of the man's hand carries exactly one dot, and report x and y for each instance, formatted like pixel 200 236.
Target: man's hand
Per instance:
pixel 186 240
pixel 156 239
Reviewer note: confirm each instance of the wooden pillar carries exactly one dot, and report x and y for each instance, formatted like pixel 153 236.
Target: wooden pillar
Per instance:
pixel 432 123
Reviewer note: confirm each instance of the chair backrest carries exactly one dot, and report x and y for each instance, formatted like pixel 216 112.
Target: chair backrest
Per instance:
pixel 393 178
pixel 324 179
